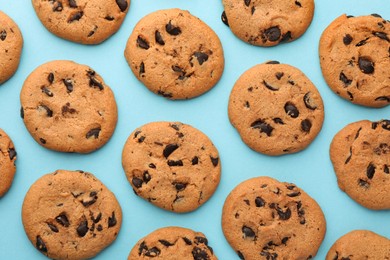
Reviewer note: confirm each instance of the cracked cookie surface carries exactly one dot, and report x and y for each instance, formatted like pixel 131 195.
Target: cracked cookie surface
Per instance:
pixel 360 244
pixel 175 54
pixel 268 22
pixel 7 162
pixel 276 109
pixel 263 218
pixel 355 59
pixel 82 21
pixel 67 107
pixel 11 44
pixel 70 215
pixel 172 165
pixel 171 243
pixel 360 154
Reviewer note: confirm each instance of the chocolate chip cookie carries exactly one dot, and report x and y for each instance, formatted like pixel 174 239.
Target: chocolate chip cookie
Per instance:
pixel 268 23
pixel 355 59
pixel 174 54
pixel 276 109
pixel 172 165
pixel 11 44
pixel 70 215
pixel 7 162
pixel 360 154
pixel 360 244
pixel 67 107
pixel 171 243
pixel 263 218
pixel 82 21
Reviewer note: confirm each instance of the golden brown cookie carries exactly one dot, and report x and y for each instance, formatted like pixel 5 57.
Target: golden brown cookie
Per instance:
pixel 355 59
pixel 70 215
pixel 360 153
pixel 172 165
pixel 174 54
pixel 7 162
pixel 67 107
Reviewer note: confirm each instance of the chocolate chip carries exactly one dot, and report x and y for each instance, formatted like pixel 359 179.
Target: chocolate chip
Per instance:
pixel 286 37
pixel 386 169
pixel 370 171
pixel 50 78
pixel 187 241
pixel 99 228
pixel 180 186
pixel 364 184
pixel 169 149
pixel 240 255
pixel 263 126
pixel 69 85
pixel 142 43
pixel 153 252
pixel 347 39
pixel 158 38
pixel 89 202
pixel 146 177
pixel 386 124
pixel 172 30
pixel 93 132
pixel 57 7
pixel 98 218
pixel 279 75
pixel 294 194
pixel 141 139
pixel 291 82
pixel 141 68
pixel 382 36
pixel 195 160
pixel 42 140
pixel 376 15
pixel 291 110
pixel 199 254
pixel 270 87
pixel 67 109
pixel 298 4
pixel 11 153
pixel 46 91
pixel 164 94
pixel 122 4
pixel 272 34
pixel 72 3
pixel 374 125
pixel 248 232
pixel 152 165
pixel 366 65
pixel 259 202
pixel 309 102
pixel 137 182
pixel 112 220
pixel 201 240
pixel 284 240
pixel 40 245
pixel 383 98
pixel 350 95
pixel 214 161
pixel 22 112
pixel 93 82
pixel 224 18
pixel 306 125
pixel 175 163
pixel 49 112
pixel 82 229
pixel 75 17
pixel 283 215
pixel 3 35
pixel 63 220
pixel 165 242
pixel 201 57
pixel 278 120
pixel 52 227
pixel 362 42
pixel 344 79
pixel 109 18
pixel 272 62
pixel 142 247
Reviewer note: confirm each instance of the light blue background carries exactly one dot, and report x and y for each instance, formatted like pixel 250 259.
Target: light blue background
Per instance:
pixel 310 169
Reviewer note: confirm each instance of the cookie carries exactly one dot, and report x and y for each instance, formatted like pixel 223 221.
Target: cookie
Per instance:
pixel 70 215
pixel 268 23
pixel 360 244
pixel 11 44
pixel 82 21
pixel 172 165
pixel 67 107
pixel 276 109
pixel 360 154
pixel 174 54
pixel 355 59
pixel 171 243
pixel 7 162
pixel 263 218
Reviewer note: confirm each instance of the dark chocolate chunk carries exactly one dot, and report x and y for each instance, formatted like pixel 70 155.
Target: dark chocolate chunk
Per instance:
pixel 50 78
pixel 57 7
pixel 291 82
pixel 82 229
pixel 3 35
pixel 214 161
pixel 298 4
pixel 259 202
pixel 93 132
pixel 278 120
pixel 169 149
pixel 152 165
pixel 47 91
pixel 248 232
pixel 272 34
pixel 122 4
pixel 109 18
pixel 195 160
pixel 11 153
pixel 99 228
pixel 386 169
pixel 376 15
pixel 98 218
pixel 75 17
pixel 22 112
pixel 370 171
pixel 137 182
pixel 201 240
pixel 286 37
pixel 270 87
pixel 374 125
pixel 347 39
pixel 158 38
pixel 224 18
pixel 164 94
pixel 187 241
pixel 383 98
pixel 309 102
pixel 291 110
pixel 171 29
pixel 386 124
pixel 240 255
pixel 180 186
pixel 279 75
pixel 294 194
pixel 141 139
pixel 68 84
pixel 165 242
pixel 141 68
pixel 382 36
pixel 93 82
pixel 344 79
pixel 306 125
pixel 199 254
pixel 363 183
pixel 42 140
pixel 142 247
pixel 175 163
pixel 272 62
pixel 201 57
pixel 89 202
pixel 283 215
pixel 49 112
pixel 153 252
pixel 350 95
pixel 63 220
pixel 67 109
pixel 366 65
pixel 52 227
pixel 72 3
pixel 142 43
pixel 263 126
pixel 112 220
pixel 146 177
pixel 247 2
pixel 40 245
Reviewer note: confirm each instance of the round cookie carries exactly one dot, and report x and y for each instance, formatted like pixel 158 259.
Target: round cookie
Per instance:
pixel 263 218
pixel 360 154
pixel 172 165
pixel 70 215
pixel 11 44
pixel 82 21
pixel 276 109
pixel 171 243
pixel 67 107
pixel 268 23
pixel 7 162
pixel 360 244
pixel 174 54
pixel 355 59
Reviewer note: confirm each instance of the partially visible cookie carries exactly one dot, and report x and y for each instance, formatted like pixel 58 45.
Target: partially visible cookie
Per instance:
pixel 360 244
pixel 276 109
pixel 355 59
pixel 11 44
pixel 82 21
pixel 360 154
pixel 70 215
pixel 172 165
pixel 172 243
pixel 7 162
pixel 263 218
pixel 175 54
pixel 268 23
pixel 67 107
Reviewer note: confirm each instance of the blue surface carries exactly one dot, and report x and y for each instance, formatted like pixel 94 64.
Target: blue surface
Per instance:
pixel 310 169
